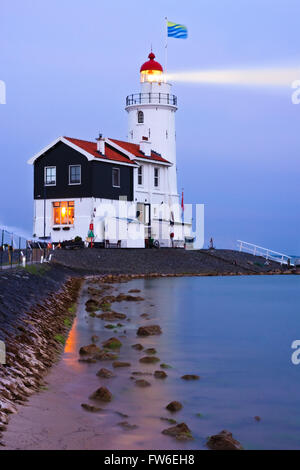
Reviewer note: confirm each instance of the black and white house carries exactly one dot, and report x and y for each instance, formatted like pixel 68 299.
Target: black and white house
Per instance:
pixel 126 190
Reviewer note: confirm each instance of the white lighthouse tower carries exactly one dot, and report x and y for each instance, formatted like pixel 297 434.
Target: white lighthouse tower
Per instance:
pixel 151 119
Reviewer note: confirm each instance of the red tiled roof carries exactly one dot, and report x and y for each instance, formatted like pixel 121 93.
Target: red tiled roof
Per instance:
pixel 91 147
pixel 113 154
pixel 135 150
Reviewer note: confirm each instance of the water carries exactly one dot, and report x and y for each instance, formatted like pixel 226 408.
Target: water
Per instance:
pixel 235 332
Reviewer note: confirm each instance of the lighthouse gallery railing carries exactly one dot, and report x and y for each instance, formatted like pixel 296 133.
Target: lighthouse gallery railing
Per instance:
pixel 148 98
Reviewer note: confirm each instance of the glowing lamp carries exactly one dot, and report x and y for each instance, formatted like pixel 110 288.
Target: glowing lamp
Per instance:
pixel 151 71
pixel 63 211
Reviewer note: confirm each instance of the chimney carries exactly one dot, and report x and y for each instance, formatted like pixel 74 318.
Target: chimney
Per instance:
pixel 101 144
pixel 145 146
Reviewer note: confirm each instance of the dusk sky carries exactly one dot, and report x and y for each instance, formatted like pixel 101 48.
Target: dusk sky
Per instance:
pixel 69 64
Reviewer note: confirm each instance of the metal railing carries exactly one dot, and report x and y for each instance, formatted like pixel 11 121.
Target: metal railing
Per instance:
pixel 18 251
pixel 257 250
pixel 151 98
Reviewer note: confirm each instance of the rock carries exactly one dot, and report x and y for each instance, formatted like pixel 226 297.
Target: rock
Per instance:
pixel 105 373
pixel 160 374
pixel 180 431
pixel 102 394
pixel 90 349
pixel 128 298
pixel 91 305
pixel 111 316
pixel 138 347
pixel 95 338
pixel 134 291
pixel 123 415
pixel 190 377
pixel 112 343
pixel 149 330
pixel 149 360
pixel 92 408
pixel 150 351
pixel 145 315
pixel 105 356
pixel 121 364
pixel 165 366
pixel 257 418
pixel 142 383
pixel 174 406
pixel 223 441
pixel 127 426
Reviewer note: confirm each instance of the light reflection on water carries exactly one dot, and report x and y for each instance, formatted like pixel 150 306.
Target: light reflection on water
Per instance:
pixel 235 332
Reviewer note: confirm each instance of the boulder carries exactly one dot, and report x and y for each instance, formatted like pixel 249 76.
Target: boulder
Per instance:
pixel 102 394
pixel 160 374
pixel 149 360
pixel 91 305
pixel 142 383
pixel 174 406
pixel 111 316
pixel 150 351
pixel 134 291
pixel 112 343
pixel 149 330
pixel 92 408
pixel 138 347
pixel 180 431
pixel 127 426
pixel 105 373
pixel 121 364
pixel 190 377
pixel 89 349
pixel 223 441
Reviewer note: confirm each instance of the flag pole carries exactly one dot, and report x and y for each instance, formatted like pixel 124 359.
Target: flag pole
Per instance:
pixel 166 46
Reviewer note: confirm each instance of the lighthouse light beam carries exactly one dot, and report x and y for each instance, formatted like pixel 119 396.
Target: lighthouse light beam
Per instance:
pixel 276 76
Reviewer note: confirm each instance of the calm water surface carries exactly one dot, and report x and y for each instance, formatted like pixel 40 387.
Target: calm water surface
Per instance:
pixel 236 333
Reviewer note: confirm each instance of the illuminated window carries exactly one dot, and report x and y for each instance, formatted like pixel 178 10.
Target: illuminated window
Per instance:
pixel 140 117
pixel 50 175
pixel 75 174
pixel 140 175
pixel 116 177
pixel 63 213
pixel 156 177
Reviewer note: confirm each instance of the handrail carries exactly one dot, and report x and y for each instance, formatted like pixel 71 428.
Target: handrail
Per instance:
pixel 257 250
pixel 151 98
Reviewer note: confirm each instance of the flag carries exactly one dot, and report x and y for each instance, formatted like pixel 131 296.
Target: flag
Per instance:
pixel 182 207
pixel 177 30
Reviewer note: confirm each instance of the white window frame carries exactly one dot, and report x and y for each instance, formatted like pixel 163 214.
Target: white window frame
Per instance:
pixel 119 178
pixel 73 184
pixel 141 169
pixel 158 177
pixel 45 176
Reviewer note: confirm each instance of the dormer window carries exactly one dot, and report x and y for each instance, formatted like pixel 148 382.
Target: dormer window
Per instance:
pixel 140 117
pixel 50 175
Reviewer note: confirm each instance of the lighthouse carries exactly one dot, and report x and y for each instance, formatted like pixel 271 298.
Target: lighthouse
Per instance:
pixel 151 118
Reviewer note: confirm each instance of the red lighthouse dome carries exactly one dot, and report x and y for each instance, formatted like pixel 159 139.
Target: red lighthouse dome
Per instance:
pixel 151 70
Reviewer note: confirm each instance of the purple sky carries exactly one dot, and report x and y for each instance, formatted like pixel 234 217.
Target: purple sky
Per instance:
pixel 68 66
